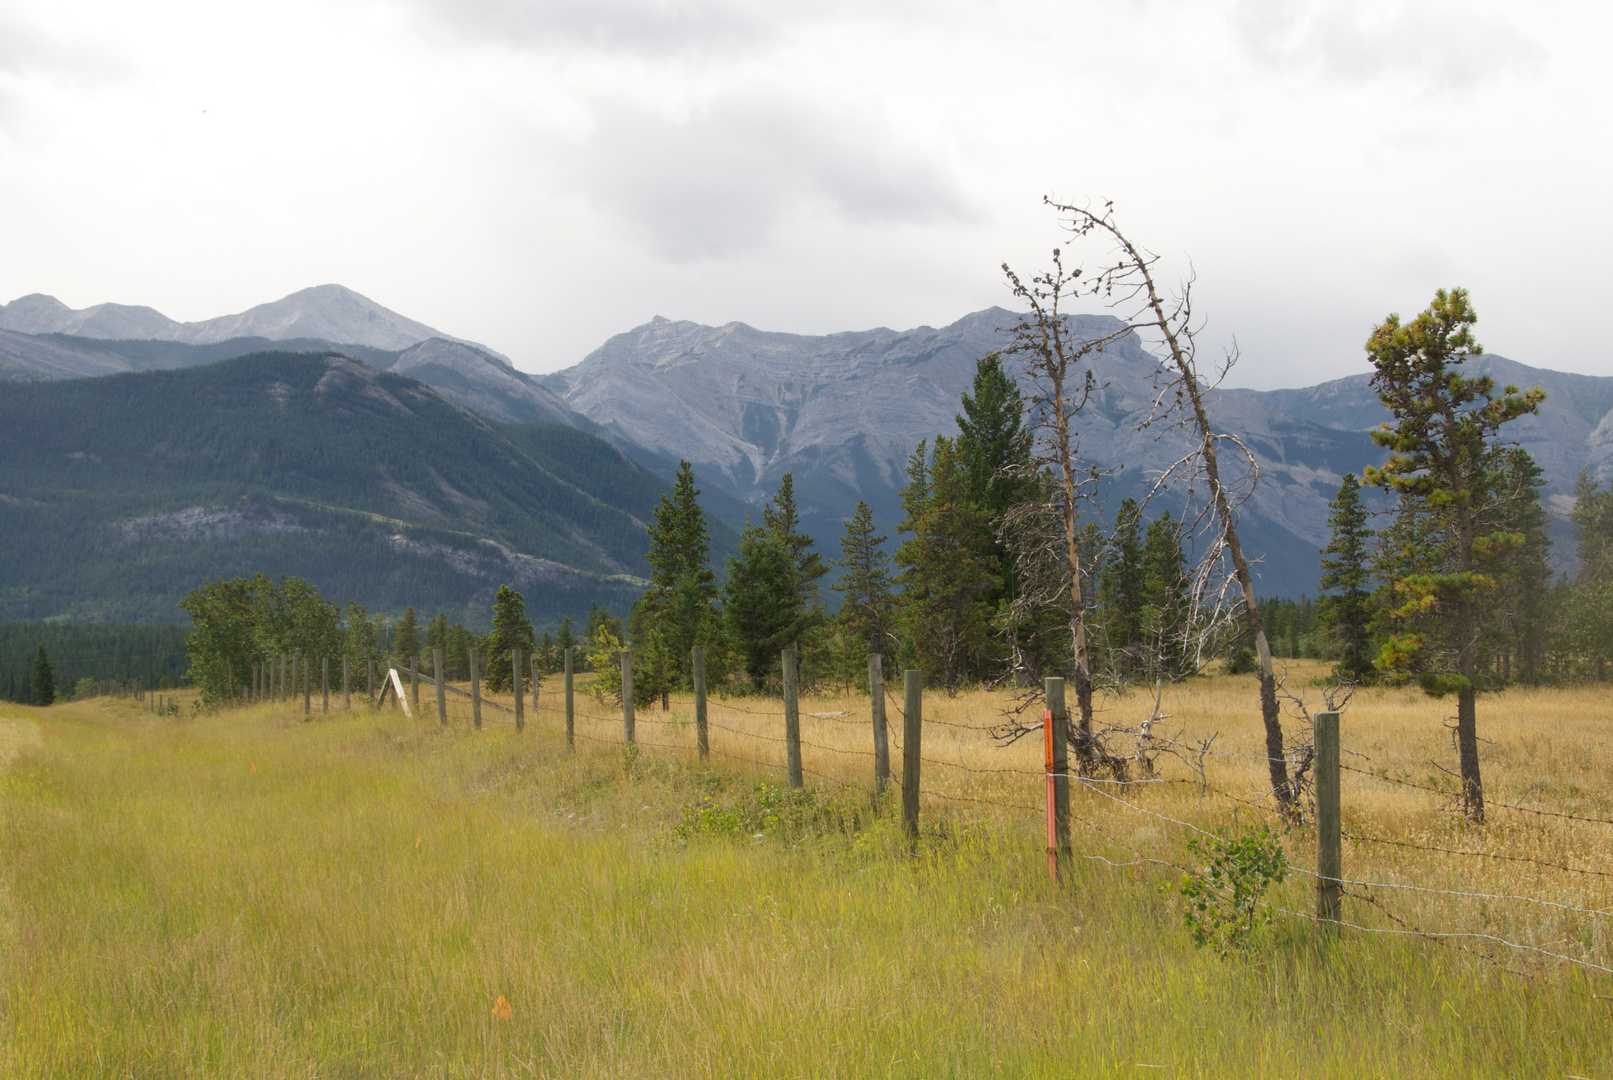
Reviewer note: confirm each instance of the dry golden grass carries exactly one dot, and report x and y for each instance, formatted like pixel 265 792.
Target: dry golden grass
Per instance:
pixel 248 894
pixel 1542 749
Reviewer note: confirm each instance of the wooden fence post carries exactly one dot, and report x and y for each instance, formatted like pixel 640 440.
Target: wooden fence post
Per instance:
pixel 627 695
pixel 570 706
pixel 282 695
pixel 792 718
pixel 307 688
pixel 876 702
pixel 520 699
pixel 702 740
pixel 347 683
pixel 371 684
pixel 1056 736
pixel 912 738
pixel 324 684
pixel 414 683
pixel 536 682
pixel 475 689
pixel 442 692
pixel 1329 848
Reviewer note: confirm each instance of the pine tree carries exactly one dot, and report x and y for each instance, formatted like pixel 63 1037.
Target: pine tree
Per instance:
pixel 994 450
pixel 406 637
pixel 1444 455
pixel 1590 604
pixel 43 683
pixel 511 630
pixel 564 639
pixel 1346 607
pixel 866 609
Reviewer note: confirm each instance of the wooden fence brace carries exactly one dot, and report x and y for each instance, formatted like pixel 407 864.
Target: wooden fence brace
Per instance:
pixel 535 683
pixel 912 738
pixel 1329 850
pixel 570 705
pixel 324 684
pixel 627 695
pixel 876 701
pixel 520 699
pixel 1056 736
pixel 702 740
pixel 792 717
pixel 414 682
pixel 475 689
pixel 442 694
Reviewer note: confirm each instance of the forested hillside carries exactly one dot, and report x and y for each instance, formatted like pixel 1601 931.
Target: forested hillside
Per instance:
pixel 122 493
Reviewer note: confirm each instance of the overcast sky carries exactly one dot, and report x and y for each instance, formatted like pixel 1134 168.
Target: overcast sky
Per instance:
pixel 540 176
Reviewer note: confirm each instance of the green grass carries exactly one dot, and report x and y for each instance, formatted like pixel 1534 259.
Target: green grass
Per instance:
pixel 357 905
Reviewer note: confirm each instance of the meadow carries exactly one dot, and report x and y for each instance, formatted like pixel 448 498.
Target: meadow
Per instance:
pixel 249 893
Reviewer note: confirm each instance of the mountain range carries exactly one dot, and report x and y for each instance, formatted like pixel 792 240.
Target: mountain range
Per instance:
pixel 842 412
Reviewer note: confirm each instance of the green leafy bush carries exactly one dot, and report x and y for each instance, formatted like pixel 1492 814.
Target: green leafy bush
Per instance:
pixel 1222 898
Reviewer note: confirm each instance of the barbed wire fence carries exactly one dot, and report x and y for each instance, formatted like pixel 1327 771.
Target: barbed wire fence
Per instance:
pixel 1567 930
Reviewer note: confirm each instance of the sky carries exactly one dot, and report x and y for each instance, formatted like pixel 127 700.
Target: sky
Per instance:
pixel 541 176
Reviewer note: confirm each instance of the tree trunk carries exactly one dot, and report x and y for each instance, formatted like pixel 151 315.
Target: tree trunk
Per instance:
pixel 1467 727
pixel 1270 715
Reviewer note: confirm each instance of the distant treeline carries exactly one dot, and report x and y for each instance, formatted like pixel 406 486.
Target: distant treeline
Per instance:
pixel 153 656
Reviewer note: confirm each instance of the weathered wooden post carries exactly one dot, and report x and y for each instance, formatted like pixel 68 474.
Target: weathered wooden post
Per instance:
pixel 702 740
pixel 307 687
pixel 627 695
pixel 882 746
pixel 475 689
pixel 347 683
pixel 1055 736
pixel 442 692
pixel 792 718
pixel 371 685
pixel 1329 841
pixel 520 699
pixel 570 705
pixel 414 683
pixel 912 738
pixel 535 683
pixel 324 684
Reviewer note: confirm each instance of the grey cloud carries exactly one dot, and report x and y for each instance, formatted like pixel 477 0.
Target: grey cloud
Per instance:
pixel 722 181
pixel 1443 45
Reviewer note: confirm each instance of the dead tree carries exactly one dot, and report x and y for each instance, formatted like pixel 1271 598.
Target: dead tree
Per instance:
pixel 1126 283
pixel 1057 364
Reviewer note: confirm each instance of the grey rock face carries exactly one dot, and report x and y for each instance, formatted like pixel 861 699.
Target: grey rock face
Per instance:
pixel 843 412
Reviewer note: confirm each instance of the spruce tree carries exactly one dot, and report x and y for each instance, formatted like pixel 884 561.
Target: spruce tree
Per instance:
pixel 994 452
pixel 674 614
pixel 781 518
pixel 511 630
pixel 406 636
pixel 564 638
pixel 947 577
pixel 1166 611
pixel 1346 606
pixel 43 683
pixel 761 607
pixel 866 609
pixel 1120 594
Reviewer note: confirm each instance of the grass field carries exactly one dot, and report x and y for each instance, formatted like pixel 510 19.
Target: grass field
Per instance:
pixel 248 894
